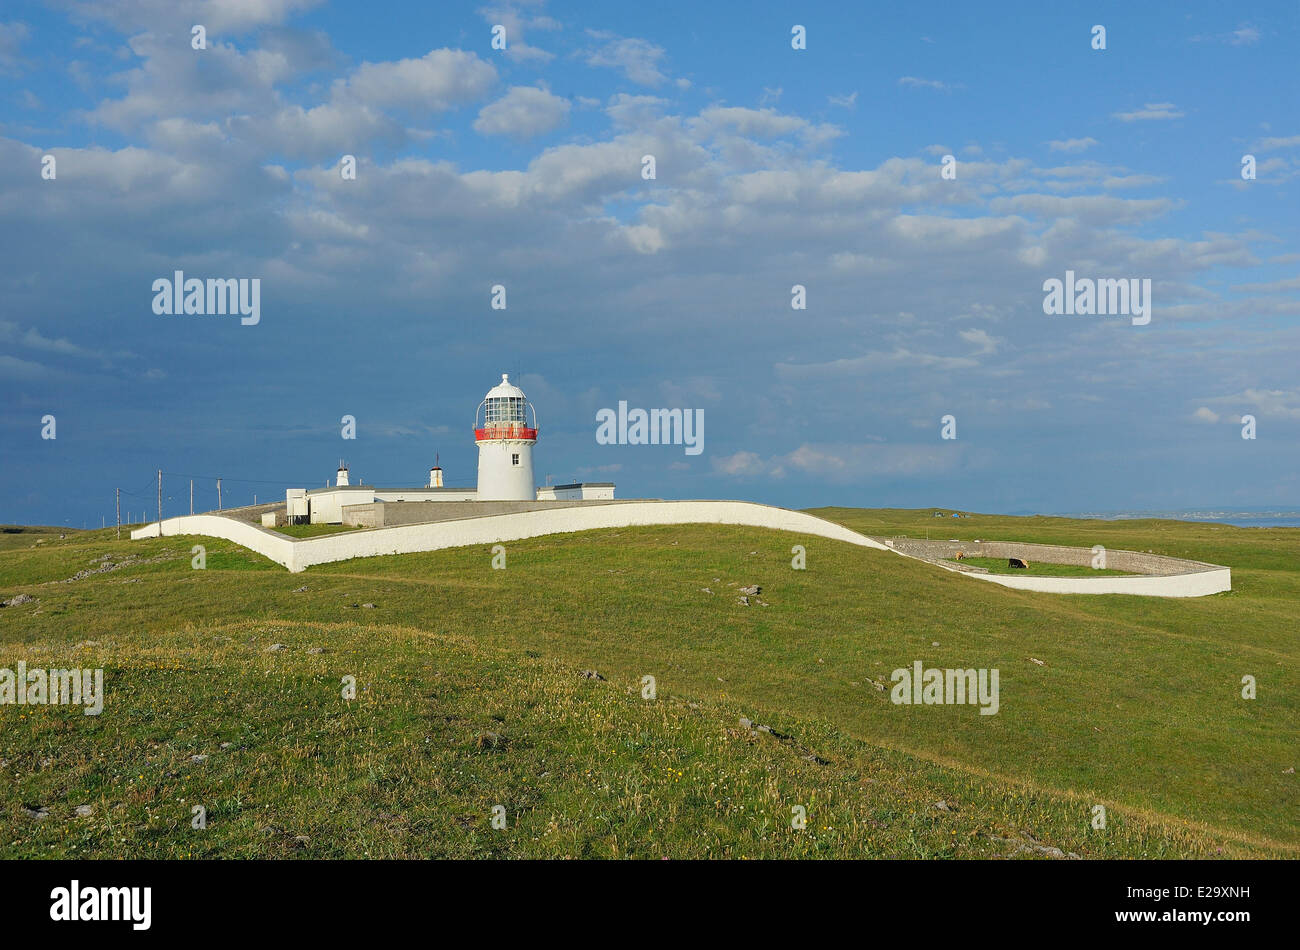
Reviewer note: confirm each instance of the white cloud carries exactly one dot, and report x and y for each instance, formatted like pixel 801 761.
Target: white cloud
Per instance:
pixel 229 16
pixel 843 462
pixel 13 368
pixel 1274 402
pixel 638 59
pixel 516 22
pixel 1244 35
pixel 523 112
pixel 1268 145
pixel 739 464
pixel 981 339
pixel 12 37
pixel 1151 111
pixel 325 130
pixel 752 123
pixel 1071 145
pixel 917 82
pixel 1097 210
pixel 441 79
pixel 634 111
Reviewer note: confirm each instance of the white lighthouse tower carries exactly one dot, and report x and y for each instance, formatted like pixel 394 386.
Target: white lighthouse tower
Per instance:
pixel 505 445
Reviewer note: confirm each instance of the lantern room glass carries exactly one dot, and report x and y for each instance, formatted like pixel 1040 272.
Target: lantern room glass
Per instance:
pixel 504 411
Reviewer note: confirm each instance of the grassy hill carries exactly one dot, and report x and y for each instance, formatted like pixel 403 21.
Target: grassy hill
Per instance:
pixel 470 695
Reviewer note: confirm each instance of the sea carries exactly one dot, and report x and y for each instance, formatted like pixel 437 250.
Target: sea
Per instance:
pixel 1238 517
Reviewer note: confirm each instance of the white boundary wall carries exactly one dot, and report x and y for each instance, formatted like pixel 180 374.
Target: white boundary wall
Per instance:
pixel 1198 582
pixel 1156 585
pixel 408 539
pixel 277 547
pixel 1197 579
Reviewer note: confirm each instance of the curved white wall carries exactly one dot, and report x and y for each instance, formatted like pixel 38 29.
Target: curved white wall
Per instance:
pixel 406 539
pixel 409 539
pixel 1178 577
pixel 1157 585
pixel 275 546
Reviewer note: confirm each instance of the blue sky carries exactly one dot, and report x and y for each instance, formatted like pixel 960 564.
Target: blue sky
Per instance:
pixel 774 167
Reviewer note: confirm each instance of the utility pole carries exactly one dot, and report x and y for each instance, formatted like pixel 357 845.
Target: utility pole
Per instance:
pixel 160 503
pixel 218 494
pixel 117 504
pixel 191 496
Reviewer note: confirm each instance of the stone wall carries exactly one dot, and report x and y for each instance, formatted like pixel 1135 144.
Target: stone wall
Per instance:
pixel 1157 575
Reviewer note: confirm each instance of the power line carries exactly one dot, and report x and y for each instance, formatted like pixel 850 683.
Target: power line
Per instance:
pixel 247 481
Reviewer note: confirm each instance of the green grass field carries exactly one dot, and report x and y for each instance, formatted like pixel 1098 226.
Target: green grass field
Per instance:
pixel 998 565
pixel 313 530
pixel 470 695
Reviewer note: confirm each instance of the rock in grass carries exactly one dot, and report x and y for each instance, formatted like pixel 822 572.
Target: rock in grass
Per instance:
pixel 752 591
pixel 590 675
pixel 276 648
pixel 17 601
pixel 39 812
pixel 198 759
pixel 85 811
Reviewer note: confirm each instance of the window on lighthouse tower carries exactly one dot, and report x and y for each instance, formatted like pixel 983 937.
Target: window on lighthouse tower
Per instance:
pixel 514 458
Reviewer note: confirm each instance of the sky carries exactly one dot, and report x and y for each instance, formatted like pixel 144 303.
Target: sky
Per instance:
pixel 774 166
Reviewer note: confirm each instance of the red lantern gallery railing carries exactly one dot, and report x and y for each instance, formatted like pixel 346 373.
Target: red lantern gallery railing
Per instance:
pixel 505 432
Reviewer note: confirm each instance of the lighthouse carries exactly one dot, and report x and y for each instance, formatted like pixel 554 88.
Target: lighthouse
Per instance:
pixel 505 444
